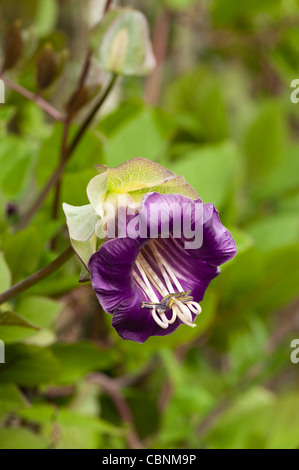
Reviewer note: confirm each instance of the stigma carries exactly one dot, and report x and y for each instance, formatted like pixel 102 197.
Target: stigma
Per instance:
pixel 161 285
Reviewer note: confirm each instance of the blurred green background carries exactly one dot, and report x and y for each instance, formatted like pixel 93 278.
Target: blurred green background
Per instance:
pixel 218 110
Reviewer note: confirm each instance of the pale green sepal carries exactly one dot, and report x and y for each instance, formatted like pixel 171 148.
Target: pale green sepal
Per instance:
pixel 81 221
pixel 85 250
pixel 84 275
pixel 97 191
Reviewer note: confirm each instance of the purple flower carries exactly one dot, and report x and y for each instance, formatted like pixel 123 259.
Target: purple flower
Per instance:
pixel 152 285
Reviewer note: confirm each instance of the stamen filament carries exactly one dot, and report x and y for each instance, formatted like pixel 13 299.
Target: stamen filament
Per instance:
pixel 194 307
pixel 149 292
pixel 169 269
pixel 151 273
pixel 180 303
pixel 163 322
pixel 160 264
pixel 143 274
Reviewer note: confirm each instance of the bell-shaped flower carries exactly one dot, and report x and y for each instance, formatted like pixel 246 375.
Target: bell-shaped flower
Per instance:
pixel 153 275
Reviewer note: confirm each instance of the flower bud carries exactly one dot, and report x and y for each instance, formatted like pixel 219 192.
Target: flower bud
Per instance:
pixel 46 68
pixel 12 45
pixel 80 98
pixel 121 43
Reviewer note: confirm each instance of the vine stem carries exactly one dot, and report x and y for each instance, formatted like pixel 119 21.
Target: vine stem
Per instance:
pixel 38 276
pixel 47 107
pixel 97 106
pixel 56 175
pixel 112 388
pixel 63 152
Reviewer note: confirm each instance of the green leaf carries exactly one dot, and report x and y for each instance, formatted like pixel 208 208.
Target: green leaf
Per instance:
pixel 121 43
pixel 275 232
pixel 75 184
pixel 5 276
pixel 270 283
pixel 22 251
pixel 247 344
pixel 195 101
pixel 256 421
pixel 242 422
pixel 15 334
pixel 34 313
pixel 230 11
pixel 28 366
pixel 75 429
pixel 143 135
pixel 243 240
pixel 46 15
pixel 58 284
pixel 78 359
pixel 13 319
pixel 281 179
pixel 118 117
pixel 6 114
pixel 39 413
pixel 264 143
pixel 39 310
pixel 15 172
pixel 11 400
pixel 239 281
pixel 90 147
pixel 40 13
pixel 280 286
pixel 179 4
pixel 43 338
pixel 212 171
pixel 81 432
pixel 18 438
pixel 33 122
pixel 284 415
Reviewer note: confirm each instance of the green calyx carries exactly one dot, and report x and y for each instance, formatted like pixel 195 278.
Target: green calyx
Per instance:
pixel 132 180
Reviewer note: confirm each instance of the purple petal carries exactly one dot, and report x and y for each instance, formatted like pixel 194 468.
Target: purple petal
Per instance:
pixel 112 266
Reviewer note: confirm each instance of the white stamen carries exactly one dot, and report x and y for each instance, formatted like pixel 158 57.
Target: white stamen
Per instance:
pixel 151 273
pixel 163 322
pixel 152 296
pixel 160 264
pixel 169 269
pixel 180 307
pixel 181 316
pixel 194 307
pixel 184 310
pixel 173 318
